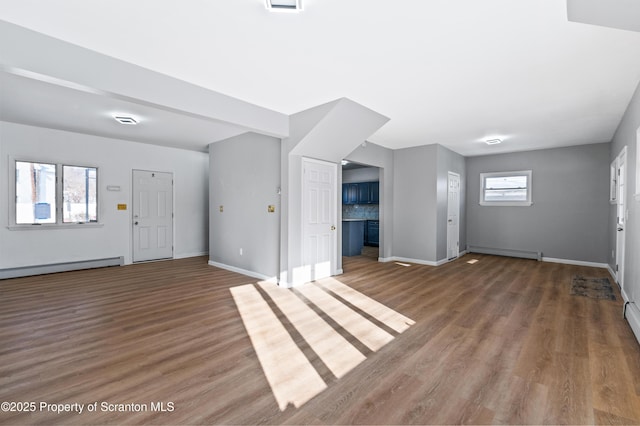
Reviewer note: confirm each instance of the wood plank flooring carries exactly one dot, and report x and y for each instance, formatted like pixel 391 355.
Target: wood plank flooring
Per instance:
pixel 500 341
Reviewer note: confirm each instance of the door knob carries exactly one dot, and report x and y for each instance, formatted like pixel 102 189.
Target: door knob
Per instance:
pixel 333 228
pixel 135 223
pixel 620 229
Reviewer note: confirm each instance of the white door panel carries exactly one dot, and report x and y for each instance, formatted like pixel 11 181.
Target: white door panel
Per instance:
pixel 319 218
pixel 152 215
pixel 453 216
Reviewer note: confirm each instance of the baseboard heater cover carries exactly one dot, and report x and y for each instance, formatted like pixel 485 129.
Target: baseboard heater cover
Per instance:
pixel 525 254
pixel 26 271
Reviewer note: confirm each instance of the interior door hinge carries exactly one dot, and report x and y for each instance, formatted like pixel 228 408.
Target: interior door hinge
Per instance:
pixel 616 268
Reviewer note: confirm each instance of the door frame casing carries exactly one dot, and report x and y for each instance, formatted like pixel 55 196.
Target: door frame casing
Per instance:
pixel 173 216
pixel 621 158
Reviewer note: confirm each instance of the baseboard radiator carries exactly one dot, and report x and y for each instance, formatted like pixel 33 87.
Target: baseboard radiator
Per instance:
pixel 525 254
pixel 26 271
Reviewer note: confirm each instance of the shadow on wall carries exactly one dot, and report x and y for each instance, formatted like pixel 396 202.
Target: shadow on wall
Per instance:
pixel 314 334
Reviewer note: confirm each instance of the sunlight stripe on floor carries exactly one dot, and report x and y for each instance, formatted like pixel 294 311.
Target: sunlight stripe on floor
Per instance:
pixel 382 313
pixel 290 374
pixel 361 328
pixel 336 352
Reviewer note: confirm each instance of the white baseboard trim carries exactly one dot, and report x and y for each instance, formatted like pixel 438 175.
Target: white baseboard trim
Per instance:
pixel 613 275
pixel 340 272
pixel 246 272
pixel 187 255
pixel 407 260
pixel 26 271
pixel 575 262
pixel 625 297
pixel 419 261
pixel 632 313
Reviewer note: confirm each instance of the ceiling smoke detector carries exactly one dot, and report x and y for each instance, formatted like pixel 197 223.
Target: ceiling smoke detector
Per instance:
pixel 284 5
pixel 126 119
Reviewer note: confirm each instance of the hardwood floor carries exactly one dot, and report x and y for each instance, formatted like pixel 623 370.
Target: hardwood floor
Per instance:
pixel 499 341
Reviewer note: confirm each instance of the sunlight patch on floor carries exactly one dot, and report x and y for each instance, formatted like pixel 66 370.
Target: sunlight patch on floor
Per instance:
pixel 385 315
pixel 358 326
pixel 334 350
pixel 291 375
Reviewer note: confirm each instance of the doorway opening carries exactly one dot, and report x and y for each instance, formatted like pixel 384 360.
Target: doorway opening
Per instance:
pixel 361 211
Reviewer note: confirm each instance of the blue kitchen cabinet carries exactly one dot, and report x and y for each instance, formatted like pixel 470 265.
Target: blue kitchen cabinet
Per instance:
pixel 374 192
pixel 372 233
pixel 361 193
pixel 349 193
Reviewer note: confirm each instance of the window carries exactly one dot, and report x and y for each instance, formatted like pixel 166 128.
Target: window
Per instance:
pixel 79 194
pixel 505 188
pixel 35 193
pixel 54 194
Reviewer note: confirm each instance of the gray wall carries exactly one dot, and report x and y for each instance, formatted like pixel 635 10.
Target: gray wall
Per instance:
pixel 449 161
pixel 626 136
pixel 244 178
pixel 364 174
pixel 570 211
pixel 415 201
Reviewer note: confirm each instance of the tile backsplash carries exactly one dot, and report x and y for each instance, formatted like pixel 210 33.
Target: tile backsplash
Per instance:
pixel 361 211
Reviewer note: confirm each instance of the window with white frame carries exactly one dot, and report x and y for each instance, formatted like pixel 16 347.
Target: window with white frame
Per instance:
pixel 505 188
pixel 54 194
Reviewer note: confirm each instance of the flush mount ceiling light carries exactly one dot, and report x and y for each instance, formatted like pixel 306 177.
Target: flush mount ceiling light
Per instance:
pixel 284 5
pixel 126 119
pixel 493 141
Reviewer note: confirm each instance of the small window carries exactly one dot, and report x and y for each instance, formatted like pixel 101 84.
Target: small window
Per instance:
pixel 35 193
pixel 505 188
pixel 79 194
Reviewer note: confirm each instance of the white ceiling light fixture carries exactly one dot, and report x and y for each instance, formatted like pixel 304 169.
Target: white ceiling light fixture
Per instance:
pixel 284 5
pixel 493 141
pixel 126 119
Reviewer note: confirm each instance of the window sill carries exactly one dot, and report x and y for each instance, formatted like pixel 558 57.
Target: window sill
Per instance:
pixel 52 226
pixel 507 203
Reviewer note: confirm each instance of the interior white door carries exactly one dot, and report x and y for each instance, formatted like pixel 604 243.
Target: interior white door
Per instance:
pixel 152 215
pixel 319 214
pixel 453 216
pixel 621 202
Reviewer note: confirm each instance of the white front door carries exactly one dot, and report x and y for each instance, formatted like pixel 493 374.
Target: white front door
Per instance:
pixel 152 215
pixel 621 202
pixel 453 216
pixel 319 213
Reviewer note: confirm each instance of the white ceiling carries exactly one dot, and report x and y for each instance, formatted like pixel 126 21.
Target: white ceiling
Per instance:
pixel 453 72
